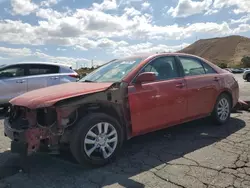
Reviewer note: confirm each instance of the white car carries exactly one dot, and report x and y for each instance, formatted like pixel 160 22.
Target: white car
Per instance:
pixel 18 78
pixel 246 75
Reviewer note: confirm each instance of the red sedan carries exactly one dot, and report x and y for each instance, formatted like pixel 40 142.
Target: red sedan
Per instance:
pixel 122 99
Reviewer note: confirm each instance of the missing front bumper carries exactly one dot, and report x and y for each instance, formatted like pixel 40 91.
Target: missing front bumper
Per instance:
pixel 19 148
pixel 13 134
pixel 28 141
pixel 18 144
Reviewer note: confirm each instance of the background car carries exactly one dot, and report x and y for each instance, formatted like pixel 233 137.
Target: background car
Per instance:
pixel 18 78
pixel 246 75
pixel 237 70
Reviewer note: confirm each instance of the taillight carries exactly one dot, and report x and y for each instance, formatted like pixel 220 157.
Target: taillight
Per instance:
pixel 74 75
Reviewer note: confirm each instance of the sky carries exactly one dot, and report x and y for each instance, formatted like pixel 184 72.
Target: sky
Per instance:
pixel 82 32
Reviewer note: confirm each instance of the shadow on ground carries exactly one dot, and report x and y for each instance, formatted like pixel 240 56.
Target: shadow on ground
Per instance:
pixel 140 154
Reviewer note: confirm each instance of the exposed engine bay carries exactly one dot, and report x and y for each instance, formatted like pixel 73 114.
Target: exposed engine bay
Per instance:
pixel 32 129
pixel 44 125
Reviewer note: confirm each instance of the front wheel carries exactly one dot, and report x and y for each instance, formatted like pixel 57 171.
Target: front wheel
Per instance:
pixel 222 109
pixel 96 139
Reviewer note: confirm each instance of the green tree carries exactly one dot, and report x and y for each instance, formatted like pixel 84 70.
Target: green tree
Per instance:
pixel 246 61
pixel 222 65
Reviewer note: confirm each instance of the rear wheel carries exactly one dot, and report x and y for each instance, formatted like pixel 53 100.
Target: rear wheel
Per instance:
pixel 96 139
pixel 222 109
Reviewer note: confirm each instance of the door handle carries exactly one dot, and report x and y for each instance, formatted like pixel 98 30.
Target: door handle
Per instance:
pixel 156 96
pixel 54 77
pixel 216 79
pixel 180 85
pixel 20 81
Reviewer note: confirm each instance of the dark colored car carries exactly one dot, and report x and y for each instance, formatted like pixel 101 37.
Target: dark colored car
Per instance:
pixel 237 70
pixel 120 100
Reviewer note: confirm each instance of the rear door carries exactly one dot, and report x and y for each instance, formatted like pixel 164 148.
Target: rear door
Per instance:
pixel 202 85
pixel 154 105
pixel 13 82
pixel 42 75
pixel 52 74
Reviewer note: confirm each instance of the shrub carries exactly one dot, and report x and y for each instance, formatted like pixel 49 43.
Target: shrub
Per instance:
pixel 222 65
pixel 246 61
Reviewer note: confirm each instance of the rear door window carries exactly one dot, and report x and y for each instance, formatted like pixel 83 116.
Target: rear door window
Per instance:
pixel 191 66
pixel 40 69
pixel 208 68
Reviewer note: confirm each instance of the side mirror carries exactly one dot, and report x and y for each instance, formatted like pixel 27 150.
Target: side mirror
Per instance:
pixel 145 77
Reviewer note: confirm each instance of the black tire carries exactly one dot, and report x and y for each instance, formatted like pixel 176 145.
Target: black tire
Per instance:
pixel 215 114
pixel 248 77
pixel 79 133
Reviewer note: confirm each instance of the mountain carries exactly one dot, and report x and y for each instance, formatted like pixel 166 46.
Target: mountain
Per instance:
pixel 229 50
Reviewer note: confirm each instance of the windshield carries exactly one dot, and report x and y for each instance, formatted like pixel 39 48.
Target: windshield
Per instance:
pixel 114 71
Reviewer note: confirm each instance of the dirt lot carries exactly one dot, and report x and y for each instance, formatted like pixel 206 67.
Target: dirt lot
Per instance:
pixel 196 154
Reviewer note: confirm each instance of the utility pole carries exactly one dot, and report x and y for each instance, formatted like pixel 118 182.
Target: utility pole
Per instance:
pixel 92 63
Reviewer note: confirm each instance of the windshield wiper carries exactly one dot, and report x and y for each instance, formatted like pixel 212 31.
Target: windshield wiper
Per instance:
pixel 87 81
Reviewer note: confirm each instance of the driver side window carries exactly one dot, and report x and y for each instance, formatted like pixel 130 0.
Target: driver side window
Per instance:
pixel 165 68
pixel 12 72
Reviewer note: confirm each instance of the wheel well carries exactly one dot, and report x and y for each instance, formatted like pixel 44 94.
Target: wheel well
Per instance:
pixel 228 94
pixel 108 109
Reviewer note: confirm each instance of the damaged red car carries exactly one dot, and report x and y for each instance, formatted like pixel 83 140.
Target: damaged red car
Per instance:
pixel 122 99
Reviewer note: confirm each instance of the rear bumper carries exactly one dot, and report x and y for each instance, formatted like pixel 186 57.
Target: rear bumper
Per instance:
pixel 242 105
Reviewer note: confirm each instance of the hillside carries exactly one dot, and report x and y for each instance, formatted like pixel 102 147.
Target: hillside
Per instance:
pixel 229 50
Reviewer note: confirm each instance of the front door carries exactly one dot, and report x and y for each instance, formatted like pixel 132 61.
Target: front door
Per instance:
pixel 13 82
pixel 202 86
pixel 160 103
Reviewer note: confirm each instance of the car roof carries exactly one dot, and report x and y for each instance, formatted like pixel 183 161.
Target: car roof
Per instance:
pixel 38 62
pixel 152 55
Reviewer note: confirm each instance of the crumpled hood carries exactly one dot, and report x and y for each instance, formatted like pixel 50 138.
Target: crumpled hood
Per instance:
pixel 50 95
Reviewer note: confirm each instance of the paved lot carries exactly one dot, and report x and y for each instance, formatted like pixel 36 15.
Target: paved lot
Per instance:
pixel 196 154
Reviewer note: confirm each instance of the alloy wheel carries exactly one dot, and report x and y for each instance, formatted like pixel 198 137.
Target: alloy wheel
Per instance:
pixel 223 109
pixel 101 140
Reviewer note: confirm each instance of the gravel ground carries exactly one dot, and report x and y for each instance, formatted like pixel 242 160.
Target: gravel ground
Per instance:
pixel 196 154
